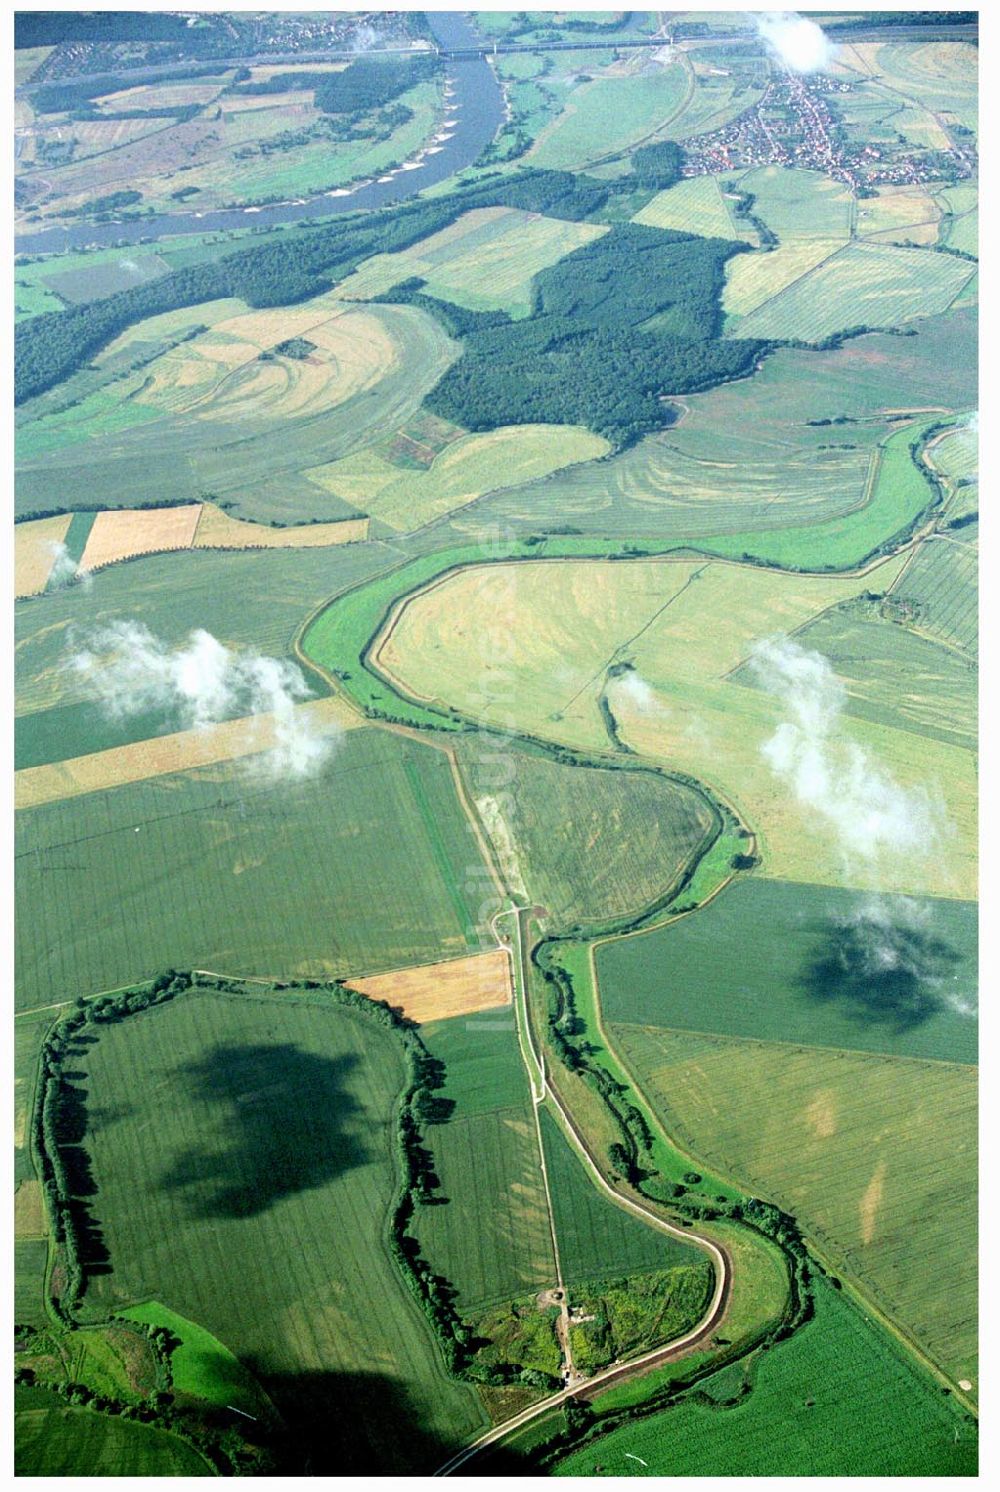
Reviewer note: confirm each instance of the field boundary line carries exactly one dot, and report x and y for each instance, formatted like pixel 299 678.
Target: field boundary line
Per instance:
pixel 799 1046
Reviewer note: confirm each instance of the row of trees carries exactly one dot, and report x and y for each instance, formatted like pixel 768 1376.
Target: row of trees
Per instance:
pixel 50 347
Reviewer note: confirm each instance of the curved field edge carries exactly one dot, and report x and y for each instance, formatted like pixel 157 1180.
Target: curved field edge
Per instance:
pixel 341 638
pixel 68 1283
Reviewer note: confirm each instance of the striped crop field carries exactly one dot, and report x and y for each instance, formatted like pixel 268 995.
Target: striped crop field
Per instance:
pixel 194 869
pixel 486 260
pixel 942 583
pixel 875 1158
pixel 864 284
pixel 695 205
pixel 256 1129
pixel 849 1402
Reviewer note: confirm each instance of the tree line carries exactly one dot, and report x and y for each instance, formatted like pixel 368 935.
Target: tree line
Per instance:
pixel 303 263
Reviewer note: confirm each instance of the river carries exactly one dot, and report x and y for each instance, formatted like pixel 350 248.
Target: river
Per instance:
pixel 474 113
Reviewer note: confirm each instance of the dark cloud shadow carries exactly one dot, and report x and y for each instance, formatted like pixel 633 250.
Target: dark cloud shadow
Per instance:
pixel 277 1120
pixel 881 969
pixel 359 1424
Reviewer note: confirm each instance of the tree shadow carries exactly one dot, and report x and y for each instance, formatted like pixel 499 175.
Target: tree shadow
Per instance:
pixel 277 1120
pixel 360 1424
pixel 81 1188
pixel 882 967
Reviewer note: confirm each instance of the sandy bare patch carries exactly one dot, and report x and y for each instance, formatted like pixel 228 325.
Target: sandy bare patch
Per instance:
pixel 821 1115
pixel 123 533
pixel 433 992
pixel 34 552
pixel 871 1201
pixel 174 753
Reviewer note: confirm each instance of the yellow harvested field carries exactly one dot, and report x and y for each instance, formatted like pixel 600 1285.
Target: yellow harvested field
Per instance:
pixel 752 279
pixel 485 260
pixel 543 635
pixel 29 1211
pixel 138 762
pixel 221 374
pixel 433 992
pixel 465 470
pixel 263 73
pixel 123 533
pixel 165 95
pixel 216 530
pixel 35 552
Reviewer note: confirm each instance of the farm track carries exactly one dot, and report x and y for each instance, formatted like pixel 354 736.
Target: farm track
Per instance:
pixel 618 1372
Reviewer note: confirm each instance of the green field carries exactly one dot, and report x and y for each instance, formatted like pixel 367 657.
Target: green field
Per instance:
pixel 696 205
pixel 252 599
pixel 201 1365
pixel 598 1240
pixel 485 260
pixel 589 844
pixel 839 1399
pixel 492 1240
pixel 864 284
pixel 54 1439
pixel 875 1159
pixel 777 961
pixel 385 876
pixel 610 114
pixel 799 204
pixel 260 1133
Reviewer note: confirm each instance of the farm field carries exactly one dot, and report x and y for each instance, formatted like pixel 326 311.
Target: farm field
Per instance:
pixel 36 546
pixel 465 470
pixel 848 1401
pixel 611 114
pixel 246 599
pixel 204 880
pixel 696 205
pixel 797 204
pixel 634 833
pixel 485 261
pixel 55 1439
pixel 455 987
pixel 235 1182
pixel 596 1238
pixel 894 675
pixel 210 406
pixel 569 621
pixel 942 584
pixel 863 284
pixel 771 467
pixel 107 750
pixel 882 1170
pixel 726 971
pixel 510 634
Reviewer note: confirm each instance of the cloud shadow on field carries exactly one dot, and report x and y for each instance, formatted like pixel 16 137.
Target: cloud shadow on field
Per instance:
pixel 363 1424
pixel 881 973
pixel 277 1120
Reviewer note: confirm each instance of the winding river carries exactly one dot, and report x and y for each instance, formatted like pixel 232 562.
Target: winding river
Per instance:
pixel 474 110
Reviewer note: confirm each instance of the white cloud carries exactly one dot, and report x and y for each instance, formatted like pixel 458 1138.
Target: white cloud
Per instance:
pixel 65 570
pixel 129 671
pixel 797 42
pixel 873 816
